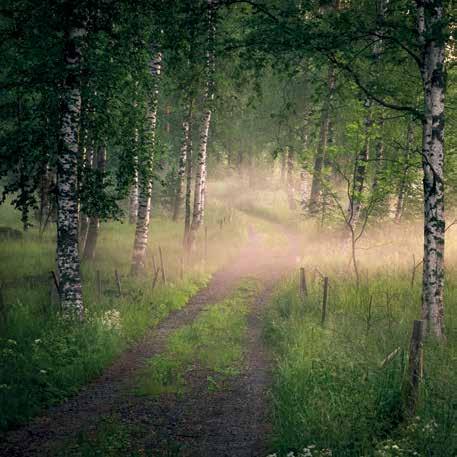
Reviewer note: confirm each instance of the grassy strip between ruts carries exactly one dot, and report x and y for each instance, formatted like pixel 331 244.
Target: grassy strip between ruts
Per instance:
pixel 214 342
pixel 330 394
pixel 44 359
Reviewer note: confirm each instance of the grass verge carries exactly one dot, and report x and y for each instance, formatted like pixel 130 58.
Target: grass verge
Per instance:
pixel 330 394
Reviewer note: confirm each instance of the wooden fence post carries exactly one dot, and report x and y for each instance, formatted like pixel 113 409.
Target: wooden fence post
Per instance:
pixel 303 285
pixel 415 367
pixel 154 278
pixel 164 279
pixel 118 282
pixel 325 300
pixel 154 267
pixel 99 284
pixel 181 270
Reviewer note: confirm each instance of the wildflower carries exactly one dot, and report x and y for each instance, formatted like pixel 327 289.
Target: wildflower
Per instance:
pixel 37 341
pixel 111 319
pixel 43 371
pixel 12 342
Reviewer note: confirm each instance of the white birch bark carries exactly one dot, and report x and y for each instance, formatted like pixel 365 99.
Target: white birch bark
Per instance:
pixel 431 23
pixel 188 199
pixel 68 260
pixel 181 171
pixel 133 196
pixel 145 174
pixel 200 179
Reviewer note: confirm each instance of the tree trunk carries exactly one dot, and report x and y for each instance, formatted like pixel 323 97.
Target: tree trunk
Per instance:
pixel 431 23
pixel 88 162
pixel 181 171
pixel 145 174
pixel 291 179
pixel 68 260
pixel 360 171
pixel 188 201
pixel 47 206
pixel 316 186
pixel 283 169
pixel 402 188
pixel 133 197
pixel 379 160
pixel 94 221
pixel 200 179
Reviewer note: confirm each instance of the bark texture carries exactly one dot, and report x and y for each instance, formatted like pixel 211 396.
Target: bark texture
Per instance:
pixel 188 199
pixel 68 260
pixel 200 179
pixel 145 173
pixel 133 196
pixel 181 171
pixel 430 24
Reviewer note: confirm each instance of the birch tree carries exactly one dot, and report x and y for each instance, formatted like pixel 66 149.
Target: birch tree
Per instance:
pixel 200 178
pixel 68 260
pixel 431 30
pixel 181 171
pixel 145 171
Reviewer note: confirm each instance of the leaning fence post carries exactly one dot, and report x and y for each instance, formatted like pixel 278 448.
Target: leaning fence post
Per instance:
pixel 118 282
pixel 303 285
pixel 154 278
pixel 415 367
pixel 154 267
pixel 164 279
pixel 325 300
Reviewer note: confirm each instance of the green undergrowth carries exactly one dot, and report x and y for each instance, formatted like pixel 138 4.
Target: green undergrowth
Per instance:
pixel 330 394
pixel 44 359
pixel 213 342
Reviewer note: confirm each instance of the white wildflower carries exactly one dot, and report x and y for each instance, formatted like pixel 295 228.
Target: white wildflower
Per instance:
pixel 37 341
pixel 43 371
pixel 112 319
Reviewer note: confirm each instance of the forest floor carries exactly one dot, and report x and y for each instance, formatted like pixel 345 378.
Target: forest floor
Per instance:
pixel 229 420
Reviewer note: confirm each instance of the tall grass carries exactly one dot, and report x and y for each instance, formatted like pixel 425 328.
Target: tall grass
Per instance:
pixel 330 391
pixel 43 358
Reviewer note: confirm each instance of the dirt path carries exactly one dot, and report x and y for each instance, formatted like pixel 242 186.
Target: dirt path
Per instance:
pixel 229 422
